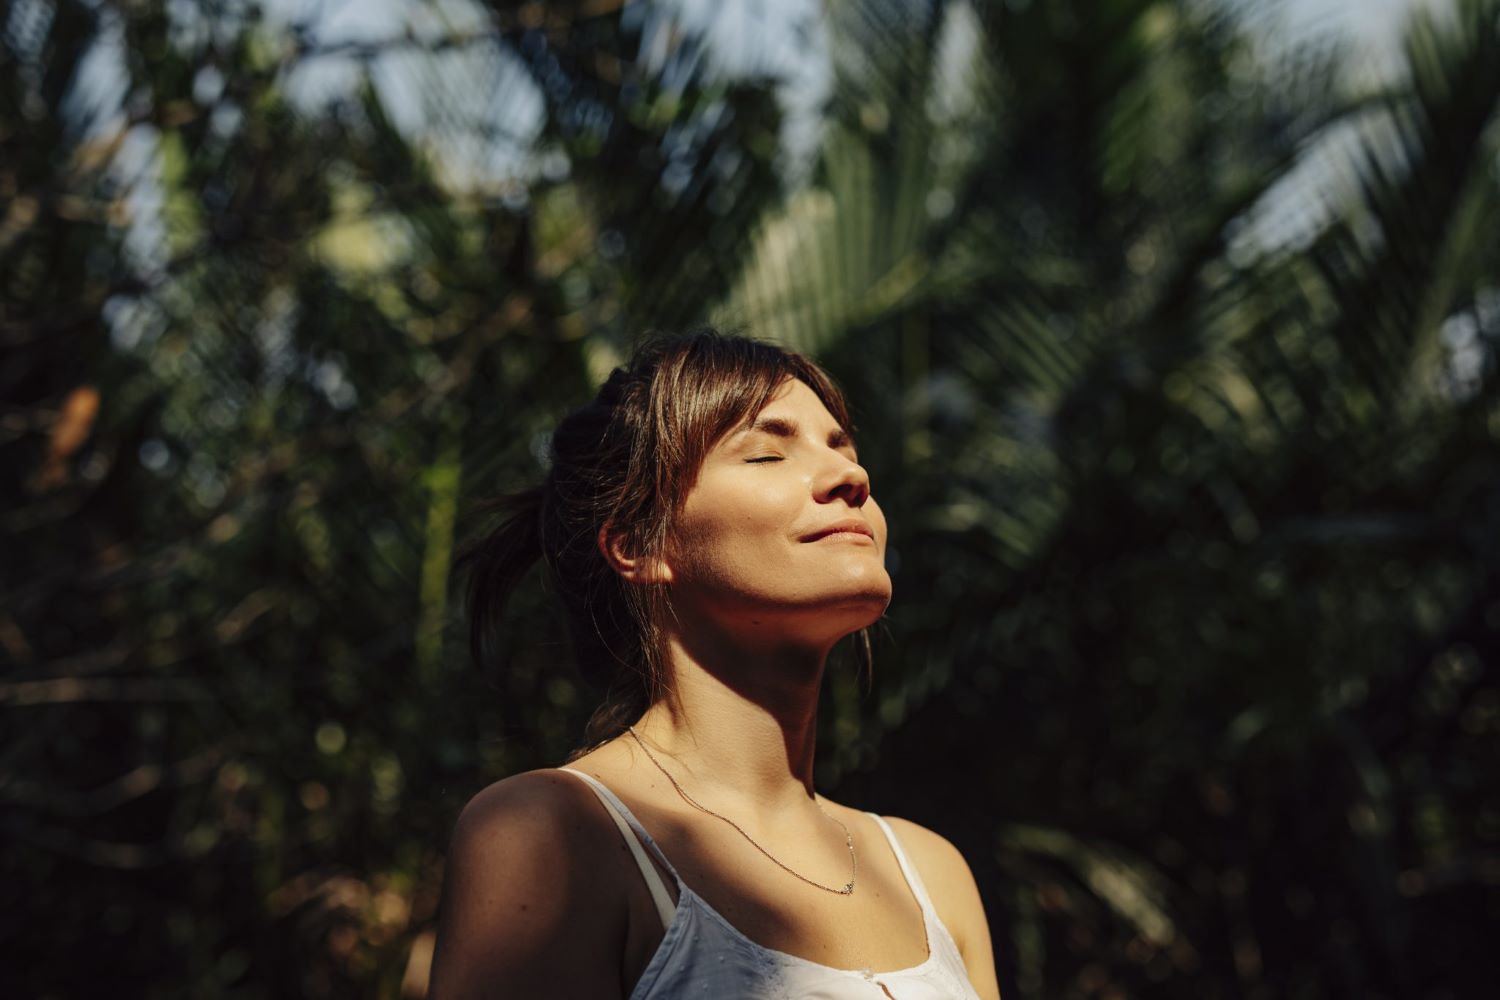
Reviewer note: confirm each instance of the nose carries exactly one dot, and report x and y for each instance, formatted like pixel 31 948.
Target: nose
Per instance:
pixel 846 480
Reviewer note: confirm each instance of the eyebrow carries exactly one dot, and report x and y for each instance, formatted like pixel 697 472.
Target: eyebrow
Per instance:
pixel 784 428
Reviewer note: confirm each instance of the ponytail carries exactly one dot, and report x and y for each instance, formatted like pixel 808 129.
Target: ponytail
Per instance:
pixel 498 560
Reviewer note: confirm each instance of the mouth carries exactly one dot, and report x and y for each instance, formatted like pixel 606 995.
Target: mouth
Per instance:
pixel 849 531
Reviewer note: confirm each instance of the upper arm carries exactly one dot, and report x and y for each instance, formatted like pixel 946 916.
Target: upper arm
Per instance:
pixel 955 895
pixel 524 913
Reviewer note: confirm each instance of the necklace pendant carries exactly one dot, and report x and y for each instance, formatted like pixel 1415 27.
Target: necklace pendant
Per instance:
pixel 848 888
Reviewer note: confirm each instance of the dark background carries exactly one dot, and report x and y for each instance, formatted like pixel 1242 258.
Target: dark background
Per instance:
pixel 1172 346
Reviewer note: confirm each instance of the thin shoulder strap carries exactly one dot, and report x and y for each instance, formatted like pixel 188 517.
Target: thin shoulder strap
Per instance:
pixel 907 868
pixel 626 821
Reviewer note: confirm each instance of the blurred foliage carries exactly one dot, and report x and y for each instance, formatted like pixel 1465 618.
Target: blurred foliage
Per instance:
pixel 1178 360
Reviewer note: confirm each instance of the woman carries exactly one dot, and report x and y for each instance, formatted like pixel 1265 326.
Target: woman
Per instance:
pixel 708 525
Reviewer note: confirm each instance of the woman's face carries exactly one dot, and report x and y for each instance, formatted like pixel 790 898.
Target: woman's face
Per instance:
pixel 780 530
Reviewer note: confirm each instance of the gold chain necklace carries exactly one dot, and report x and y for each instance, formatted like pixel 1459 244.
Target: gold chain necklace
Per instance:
pixel 848 888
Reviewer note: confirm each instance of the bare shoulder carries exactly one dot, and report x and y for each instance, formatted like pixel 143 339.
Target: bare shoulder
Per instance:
pixel 540 815
pixel 544 799
pixel 955 895
pixel 927 846
pixel 542 819
pixel 521 895
pixel 942 867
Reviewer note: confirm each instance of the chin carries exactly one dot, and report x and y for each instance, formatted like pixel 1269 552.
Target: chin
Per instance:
pixel 861 609
pixel 869 586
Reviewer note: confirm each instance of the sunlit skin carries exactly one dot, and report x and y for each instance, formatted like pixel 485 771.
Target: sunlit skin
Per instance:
pixel 762 593
pixel 759 607
pixel 760 602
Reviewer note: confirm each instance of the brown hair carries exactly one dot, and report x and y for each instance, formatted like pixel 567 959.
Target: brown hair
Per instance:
pixel 628 459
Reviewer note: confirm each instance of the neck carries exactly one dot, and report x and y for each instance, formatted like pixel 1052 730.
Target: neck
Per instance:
pixel 739 730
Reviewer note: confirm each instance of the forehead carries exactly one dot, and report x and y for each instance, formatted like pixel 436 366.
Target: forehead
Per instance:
pixel 793 411
pixel 796 398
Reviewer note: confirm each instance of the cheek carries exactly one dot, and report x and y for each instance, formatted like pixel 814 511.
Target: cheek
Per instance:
pixel 737 530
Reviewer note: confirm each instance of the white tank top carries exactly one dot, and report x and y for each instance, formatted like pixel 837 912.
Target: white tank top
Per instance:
pixel 703 956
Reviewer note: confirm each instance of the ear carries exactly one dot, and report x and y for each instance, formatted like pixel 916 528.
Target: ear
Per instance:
pixel 632 567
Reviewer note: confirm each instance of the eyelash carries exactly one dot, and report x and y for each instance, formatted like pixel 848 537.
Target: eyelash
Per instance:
pixel 771 458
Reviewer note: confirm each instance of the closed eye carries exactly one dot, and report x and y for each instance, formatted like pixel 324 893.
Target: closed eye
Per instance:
pixel 767 458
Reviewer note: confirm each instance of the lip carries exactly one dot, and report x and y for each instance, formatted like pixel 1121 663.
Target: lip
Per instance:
pixel 841 528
